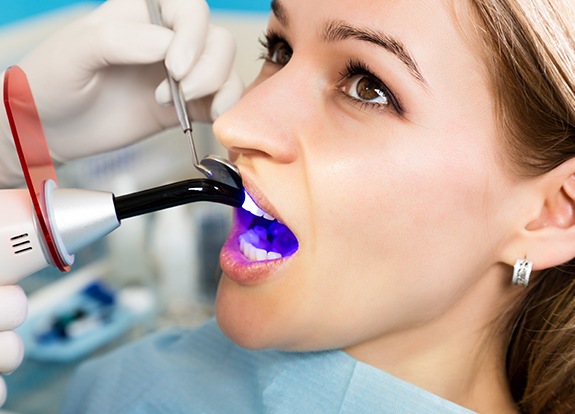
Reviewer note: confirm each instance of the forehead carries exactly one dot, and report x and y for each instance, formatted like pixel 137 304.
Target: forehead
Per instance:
pixel 433 31
pixel 369 11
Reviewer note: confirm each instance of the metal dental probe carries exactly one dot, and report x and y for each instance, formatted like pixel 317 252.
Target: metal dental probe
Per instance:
pixel 176 92
pixel 212 166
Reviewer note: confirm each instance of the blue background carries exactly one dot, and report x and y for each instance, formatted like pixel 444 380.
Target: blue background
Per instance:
pixel 17 10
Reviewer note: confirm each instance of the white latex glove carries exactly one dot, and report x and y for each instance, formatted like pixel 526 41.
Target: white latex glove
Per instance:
pixel 95 81
pixel 13 310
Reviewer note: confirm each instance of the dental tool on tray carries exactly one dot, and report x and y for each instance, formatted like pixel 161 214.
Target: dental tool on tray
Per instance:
pixel 212 166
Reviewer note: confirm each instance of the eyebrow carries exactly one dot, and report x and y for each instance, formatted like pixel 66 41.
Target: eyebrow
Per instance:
pixel 338 30
pixel 280 12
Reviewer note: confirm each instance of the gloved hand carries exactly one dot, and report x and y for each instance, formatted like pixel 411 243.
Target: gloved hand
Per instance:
pixel 13 309
pixel 95 82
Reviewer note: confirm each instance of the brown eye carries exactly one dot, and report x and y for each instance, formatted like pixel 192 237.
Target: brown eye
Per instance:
pixel 367 89
pixel 277 50
pixel 360 86
pixel 280 53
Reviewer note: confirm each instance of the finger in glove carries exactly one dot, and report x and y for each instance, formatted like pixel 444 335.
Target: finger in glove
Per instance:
pixel 12 351
pixel 13 307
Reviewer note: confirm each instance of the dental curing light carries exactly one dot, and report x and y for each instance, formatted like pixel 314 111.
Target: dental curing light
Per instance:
pixel 46 225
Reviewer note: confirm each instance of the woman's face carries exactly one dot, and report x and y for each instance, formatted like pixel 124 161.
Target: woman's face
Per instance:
pixel 370 134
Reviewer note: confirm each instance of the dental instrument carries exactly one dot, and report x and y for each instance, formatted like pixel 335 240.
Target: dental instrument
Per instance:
pixel 45 225
pixel 212 166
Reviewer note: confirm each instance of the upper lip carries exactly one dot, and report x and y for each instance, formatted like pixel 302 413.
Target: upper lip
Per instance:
pixel 260 199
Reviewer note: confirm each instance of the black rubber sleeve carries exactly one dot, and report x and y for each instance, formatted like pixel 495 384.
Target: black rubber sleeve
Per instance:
pixel 176 194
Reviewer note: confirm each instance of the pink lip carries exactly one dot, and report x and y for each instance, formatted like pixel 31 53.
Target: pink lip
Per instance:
pixel 234 264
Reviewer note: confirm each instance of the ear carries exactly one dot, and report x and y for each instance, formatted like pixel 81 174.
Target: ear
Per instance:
pixel 549 239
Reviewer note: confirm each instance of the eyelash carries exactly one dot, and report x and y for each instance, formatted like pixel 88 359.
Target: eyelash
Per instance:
pixel 271 40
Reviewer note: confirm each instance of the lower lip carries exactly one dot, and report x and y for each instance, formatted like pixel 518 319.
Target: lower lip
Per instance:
pixel 239 268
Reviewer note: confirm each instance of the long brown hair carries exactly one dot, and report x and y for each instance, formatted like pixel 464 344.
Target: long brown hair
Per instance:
pixel 530 54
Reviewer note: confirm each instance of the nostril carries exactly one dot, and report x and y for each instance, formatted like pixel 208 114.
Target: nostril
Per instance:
pixel 250 129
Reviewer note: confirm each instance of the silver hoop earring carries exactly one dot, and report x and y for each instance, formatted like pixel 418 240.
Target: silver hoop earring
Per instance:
pixel 522 272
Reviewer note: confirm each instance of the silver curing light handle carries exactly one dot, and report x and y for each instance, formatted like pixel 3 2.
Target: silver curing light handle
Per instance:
pixel 78 217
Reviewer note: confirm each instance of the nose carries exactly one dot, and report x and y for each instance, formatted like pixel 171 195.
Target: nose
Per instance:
pixel 264 121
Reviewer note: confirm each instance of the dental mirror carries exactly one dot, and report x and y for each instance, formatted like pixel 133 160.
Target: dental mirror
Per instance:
pixel 220 169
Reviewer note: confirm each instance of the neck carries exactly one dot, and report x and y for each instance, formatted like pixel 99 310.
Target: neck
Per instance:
pixel 458 356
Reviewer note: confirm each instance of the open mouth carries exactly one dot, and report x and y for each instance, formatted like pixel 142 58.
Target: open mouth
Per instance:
pixel 265 237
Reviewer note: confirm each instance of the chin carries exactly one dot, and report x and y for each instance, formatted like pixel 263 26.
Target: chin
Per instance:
pixel 241 319
pixel 246 334
pixel 254 319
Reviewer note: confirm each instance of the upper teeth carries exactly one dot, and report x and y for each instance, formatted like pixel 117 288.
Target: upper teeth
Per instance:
pixel 251 206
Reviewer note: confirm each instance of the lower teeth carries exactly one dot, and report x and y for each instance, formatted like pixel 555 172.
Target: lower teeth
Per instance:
pixel 254 254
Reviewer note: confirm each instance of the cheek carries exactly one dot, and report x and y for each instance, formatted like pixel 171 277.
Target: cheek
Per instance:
pixel 403 196
pixel 409 220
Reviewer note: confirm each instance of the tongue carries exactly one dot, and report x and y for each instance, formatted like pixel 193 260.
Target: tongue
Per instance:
pixel 283 240
pixel 275 238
